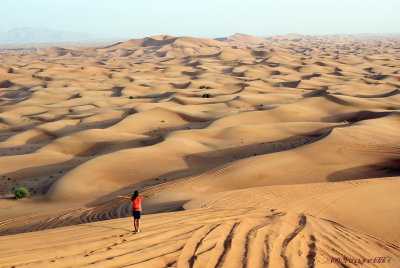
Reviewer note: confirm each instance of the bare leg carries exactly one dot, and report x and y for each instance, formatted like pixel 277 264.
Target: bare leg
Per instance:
pixel 138 224
pixel 135 222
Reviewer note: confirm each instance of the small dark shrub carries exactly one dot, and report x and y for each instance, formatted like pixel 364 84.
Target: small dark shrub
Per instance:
pixel 21 192
pixel 131 97
pixel 207 95
pixel 202 87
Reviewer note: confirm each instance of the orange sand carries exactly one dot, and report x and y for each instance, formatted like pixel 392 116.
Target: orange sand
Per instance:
pixel 294 158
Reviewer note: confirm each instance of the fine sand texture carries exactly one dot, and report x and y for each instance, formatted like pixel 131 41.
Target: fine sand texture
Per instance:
pixel 262 152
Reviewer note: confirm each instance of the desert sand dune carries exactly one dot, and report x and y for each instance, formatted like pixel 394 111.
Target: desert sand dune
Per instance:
pixel 230 238
pixel 240 38
pixel 285 150
pixel 344 202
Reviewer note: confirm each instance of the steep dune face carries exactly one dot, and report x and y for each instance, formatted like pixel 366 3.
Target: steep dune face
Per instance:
pixel 307 125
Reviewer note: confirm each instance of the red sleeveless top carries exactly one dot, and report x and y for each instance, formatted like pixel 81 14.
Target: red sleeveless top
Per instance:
pixel 137 204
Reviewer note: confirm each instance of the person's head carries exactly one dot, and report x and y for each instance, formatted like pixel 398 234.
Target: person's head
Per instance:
pixel 135 194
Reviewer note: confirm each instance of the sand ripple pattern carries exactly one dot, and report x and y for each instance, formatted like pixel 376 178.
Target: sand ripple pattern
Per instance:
pixel 305 125
pixel 200 238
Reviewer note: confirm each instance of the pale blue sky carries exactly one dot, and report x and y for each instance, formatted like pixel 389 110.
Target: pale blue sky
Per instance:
pixel 205 18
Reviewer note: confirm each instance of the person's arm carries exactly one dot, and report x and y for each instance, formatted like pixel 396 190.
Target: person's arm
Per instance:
pixel 148 196
pixel 124 197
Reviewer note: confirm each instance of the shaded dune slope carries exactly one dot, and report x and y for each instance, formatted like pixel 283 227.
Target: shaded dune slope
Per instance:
pixel 282 140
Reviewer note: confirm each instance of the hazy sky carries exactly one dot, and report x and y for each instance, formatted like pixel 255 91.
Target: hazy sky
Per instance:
pixel 205 18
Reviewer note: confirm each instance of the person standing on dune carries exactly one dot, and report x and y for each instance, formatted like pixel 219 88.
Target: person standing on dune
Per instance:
pixel 136 208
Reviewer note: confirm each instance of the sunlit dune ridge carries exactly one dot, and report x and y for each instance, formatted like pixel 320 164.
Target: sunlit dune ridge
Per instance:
pixel 283 151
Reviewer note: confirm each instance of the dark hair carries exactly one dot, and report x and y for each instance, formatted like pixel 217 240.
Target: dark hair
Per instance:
pixel 135 194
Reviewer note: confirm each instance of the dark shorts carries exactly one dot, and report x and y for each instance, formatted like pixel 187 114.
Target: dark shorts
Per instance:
pixel 136 214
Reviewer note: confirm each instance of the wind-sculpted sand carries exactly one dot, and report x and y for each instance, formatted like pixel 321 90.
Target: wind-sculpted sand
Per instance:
pixel 244 237
pixel 284 151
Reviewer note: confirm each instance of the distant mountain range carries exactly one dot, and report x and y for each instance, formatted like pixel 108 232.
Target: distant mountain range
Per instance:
pixel 30 35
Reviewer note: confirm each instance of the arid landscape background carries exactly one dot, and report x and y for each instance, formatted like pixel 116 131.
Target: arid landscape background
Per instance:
pixel 279 152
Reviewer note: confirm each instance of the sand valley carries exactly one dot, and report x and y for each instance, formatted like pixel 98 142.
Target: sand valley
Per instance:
pixel 262 152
